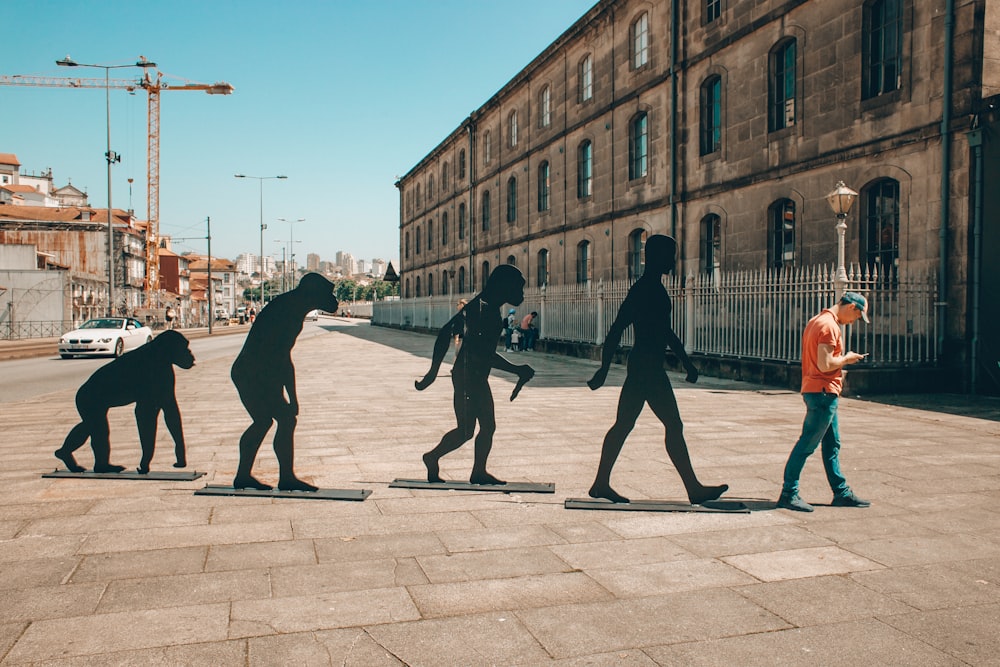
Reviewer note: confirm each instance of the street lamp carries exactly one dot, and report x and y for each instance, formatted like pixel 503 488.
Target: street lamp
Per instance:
pixel 841 200
pixel 261 179
pixel 111 158
pixel 291 247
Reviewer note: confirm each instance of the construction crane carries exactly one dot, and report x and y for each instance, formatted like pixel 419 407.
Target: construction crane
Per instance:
pixel 153 88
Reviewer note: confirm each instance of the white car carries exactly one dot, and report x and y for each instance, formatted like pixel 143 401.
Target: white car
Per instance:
pixel 312 316
pixel 112 336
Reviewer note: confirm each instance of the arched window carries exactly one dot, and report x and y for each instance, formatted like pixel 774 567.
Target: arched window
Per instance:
pixel 461 280
pixel 461 221
pixel 586 78
pixel 584 169
pixel 543 186
pixel 781 241
pixel 512 128
pixel 430 284
pixel 545 107
pixel 407 292
pixel 444 229
pixel 636 243
pixel 584 263
pixel 461 164
pixel 710 255
pixel 542 267
pixel 445 282
pixel 511 200
pixel 406 245
pixel 445 180
pixel 417 244
pixel 418 287
pixel 881 48
pixel 640 41
pixel 486 274
pixel 487 147
pixel 638 147
pixel 430 189
pixel 512 260
pixel 880 228
pixel 710 130
pixel 486 210
pixel 420 201
pixel 430 234
pixel 781 84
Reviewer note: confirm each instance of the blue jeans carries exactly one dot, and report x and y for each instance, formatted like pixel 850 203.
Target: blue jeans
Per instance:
pixel 820 425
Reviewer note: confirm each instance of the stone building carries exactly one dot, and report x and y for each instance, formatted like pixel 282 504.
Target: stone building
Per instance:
pixel 726 123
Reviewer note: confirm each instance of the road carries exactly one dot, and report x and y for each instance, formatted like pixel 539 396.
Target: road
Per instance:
pixel 27 378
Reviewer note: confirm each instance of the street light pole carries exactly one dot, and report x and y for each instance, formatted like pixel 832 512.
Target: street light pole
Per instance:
pixel 841 199
pixel 111 159
pixel 260 180
pixel 291 246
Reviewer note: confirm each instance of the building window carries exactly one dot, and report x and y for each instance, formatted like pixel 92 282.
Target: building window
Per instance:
pixel 781 245
pixel 461 221
pixel 461 280
pixel 881 48
pixel 713 10
pixel 543 186
pixel 430 189
pixel 430 234
pixel 445 185
pixel 782 86
pixel 638 147
pixel 584 169
pixel 407 292
pixel 711 115
pixel 486 210
pixel 461 164
pixel 512 129
pixel 584 263
pixel 711 244
pixel 420 201
pixel 587 78
pixel 636 242
pixel 545 107
pixel 418 287
pixel 486 274
pixel 430 284
pixel 542 267
pixel 444 229
pixel 640 41
pixel 511 200
pixel 487 147
pixel 445 282
pixel 406 245
pixel 880 229
pixel 417 244
pixel 511 260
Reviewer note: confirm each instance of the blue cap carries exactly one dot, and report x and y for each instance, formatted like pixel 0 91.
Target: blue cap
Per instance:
pixel 859 302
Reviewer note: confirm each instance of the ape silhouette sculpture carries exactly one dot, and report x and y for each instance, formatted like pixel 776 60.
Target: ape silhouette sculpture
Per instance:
pixel 470 375
pixel 647 308
pixel 144 376
pixel 265 379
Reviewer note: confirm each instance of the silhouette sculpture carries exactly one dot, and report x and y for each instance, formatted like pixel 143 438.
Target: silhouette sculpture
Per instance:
pixel 265 379
pixel 144 376
pixel 473 400
pixel 647 308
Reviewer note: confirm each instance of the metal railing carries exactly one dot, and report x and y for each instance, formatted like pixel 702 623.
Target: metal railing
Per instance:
pixel 23 330
pixel 746 314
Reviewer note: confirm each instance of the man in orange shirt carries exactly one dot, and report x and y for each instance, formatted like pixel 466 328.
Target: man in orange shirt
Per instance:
pixel 823 360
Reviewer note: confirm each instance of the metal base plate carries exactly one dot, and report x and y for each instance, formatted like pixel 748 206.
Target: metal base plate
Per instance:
pixel 152 475
pixel 321 494
pixel 509 487
pixel 715 506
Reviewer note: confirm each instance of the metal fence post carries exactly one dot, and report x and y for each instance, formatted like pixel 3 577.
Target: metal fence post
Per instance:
pixel 541 313
pixel 689 312
pixel 600 312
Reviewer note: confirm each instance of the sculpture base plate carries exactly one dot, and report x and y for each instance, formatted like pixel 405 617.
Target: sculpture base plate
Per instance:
pixel 715 506
pixel 509 487
pixel 152 475
pixel 321 494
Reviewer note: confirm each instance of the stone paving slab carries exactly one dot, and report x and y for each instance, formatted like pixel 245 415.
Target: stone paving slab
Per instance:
pixel 128 572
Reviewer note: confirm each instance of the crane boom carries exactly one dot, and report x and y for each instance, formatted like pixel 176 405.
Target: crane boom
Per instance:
pixel 153 87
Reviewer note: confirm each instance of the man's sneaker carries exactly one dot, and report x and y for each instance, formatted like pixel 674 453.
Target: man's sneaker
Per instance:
pixel 848 499
pixel 791 501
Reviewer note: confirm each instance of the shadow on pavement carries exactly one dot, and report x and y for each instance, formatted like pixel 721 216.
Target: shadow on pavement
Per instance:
pixel 962 405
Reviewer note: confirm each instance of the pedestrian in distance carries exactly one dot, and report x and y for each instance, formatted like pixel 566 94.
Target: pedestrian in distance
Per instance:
pixel 473 400
pixel 823 361
pixel 264 375
pixel 529 331
pixel 509 325
pixel 647 308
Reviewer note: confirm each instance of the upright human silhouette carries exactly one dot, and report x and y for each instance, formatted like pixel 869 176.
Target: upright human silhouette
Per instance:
pixel 647 308
pixel 473 401
pixel 144 376
pixel 265 378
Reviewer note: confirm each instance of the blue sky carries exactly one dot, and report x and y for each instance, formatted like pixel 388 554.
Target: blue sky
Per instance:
pixel 342 97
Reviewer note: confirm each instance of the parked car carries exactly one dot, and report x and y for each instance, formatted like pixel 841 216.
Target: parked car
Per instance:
pixel 312 315
pixel 112 336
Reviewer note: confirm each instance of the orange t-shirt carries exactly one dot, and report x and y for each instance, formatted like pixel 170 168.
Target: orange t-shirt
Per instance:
pixel 821 330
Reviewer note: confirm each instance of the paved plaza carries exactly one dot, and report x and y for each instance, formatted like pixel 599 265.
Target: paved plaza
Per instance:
pixel 145 573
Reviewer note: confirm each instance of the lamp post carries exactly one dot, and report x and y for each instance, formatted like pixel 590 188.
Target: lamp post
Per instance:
pixel 260 180
pixel 841 199
pixel 291 247
pixel 111 157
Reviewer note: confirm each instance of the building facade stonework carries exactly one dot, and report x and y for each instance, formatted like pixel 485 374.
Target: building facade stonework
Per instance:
pixel 724 123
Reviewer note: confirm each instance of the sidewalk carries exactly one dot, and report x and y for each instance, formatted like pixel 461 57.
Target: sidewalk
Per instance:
pixel 123 572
